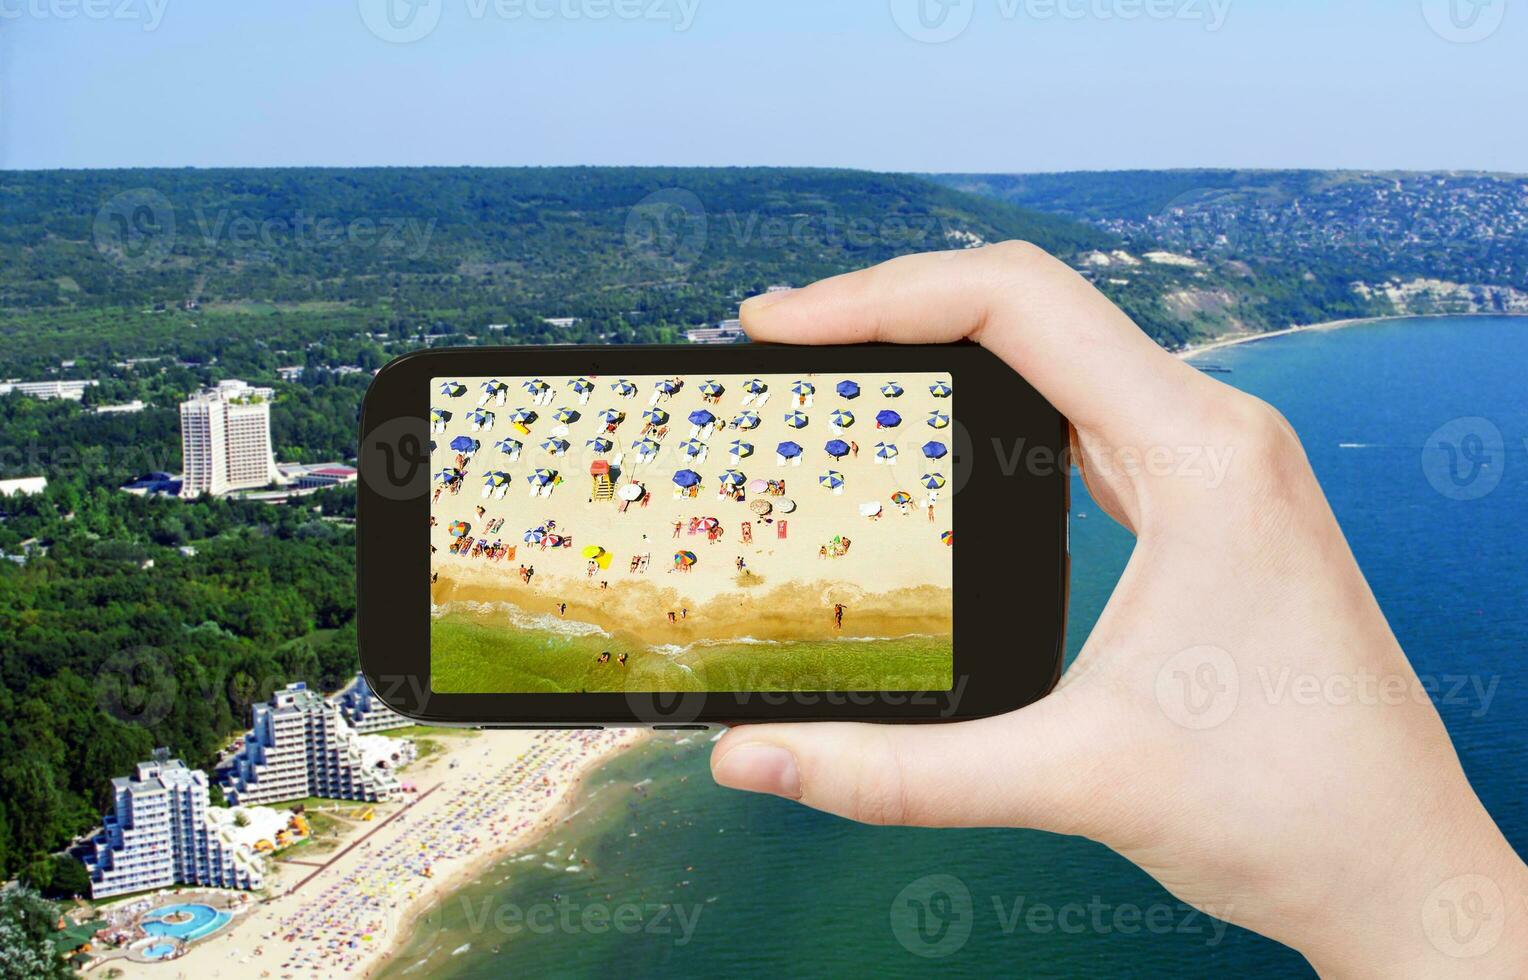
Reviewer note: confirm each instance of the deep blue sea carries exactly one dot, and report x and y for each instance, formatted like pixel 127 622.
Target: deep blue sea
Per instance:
pixel 683 878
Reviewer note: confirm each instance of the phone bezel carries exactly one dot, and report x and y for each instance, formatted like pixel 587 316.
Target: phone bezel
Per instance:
pixel 1010 523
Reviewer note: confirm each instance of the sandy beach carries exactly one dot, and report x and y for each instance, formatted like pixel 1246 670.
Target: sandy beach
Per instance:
pixel 804 548
pixel 1236 340
pixel 481 798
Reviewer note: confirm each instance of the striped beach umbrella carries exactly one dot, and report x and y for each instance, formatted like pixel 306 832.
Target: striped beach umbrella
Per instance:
pixel 887 419
pixel 891 389
pixel 746 420
pixel 624 388
pixel 492 388
pixel 440 415
pixel 733 478
pixel 939 389
pixel 795 420
pixel 647 447
pixel 481 417
pixel 668 386
pixel 453 389
pixel 832 479
pixel 848 389
pixel 934 450
pixel 535 535
pixel 837 448
pixel 524 416
pixel 497 478
pixel 509 446
pixel 937 420
pixel 901 498
pixel 542 478
pixel 581 386
pixel 842 417
pixel 804 388
pixel 459 529
pixel 948 537
pixel 686 478
pixel 701 417
pixel 755 387
pixel 611 416
pixel 711 389
pixel 741 448
pixel 885 450
pixel 692 447
pixel 465 444
pixel 535 386
pixel 788 449
pixel 932 481
pixel 655 416
pixel 448 476
pixel 684 559
pixel 566 416
pixel 600 444
pixel 555 445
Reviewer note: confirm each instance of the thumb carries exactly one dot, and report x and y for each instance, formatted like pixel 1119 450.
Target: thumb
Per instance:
pixel 1022 769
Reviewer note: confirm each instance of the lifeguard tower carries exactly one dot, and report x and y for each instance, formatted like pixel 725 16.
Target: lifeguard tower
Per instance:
pixel 599 470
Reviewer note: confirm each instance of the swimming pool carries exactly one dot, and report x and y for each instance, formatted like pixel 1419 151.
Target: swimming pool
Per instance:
pixel 157 951
pixel 186 922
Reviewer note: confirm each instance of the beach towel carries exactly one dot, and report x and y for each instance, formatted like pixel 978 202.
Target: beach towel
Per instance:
pixel 780 529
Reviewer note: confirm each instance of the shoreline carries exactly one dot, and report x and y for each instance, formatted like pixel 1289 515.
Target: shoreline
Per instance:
pixel 1237 340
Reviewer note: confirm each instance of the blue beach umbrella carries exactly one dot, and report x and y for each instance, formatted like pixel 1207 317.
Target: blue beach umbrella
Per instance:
pixel 453 389
pixel 891 389
pixel 938 420
pixel 711 389
pixel 733 478
pixel 939 389
pixel 886 450
pixel 509 446
pixel 464 444
pixel 667 386
pixel 788 449
pixel 746 420
pixel 555 445
pixel 837 448
pixel 535 386
pixel 524 416
pixel 647 447
pixel 600 444
pixel 440 415
pixel 832 479
pixel 741 448
pixel 581 386
pixel 448 476
pixel 480 417
pixel 610 416
pixel 934 450
pixel 534 535
pixel 686 478
pixel 656 416
pixel 842 417
pixel 542 477
pixel 932 480
pixel 494 387
pixel 887 419
pixel 565 415
pixel 701 417
pixel 804 388
pixel 848 389
pixel 497 478
pixel 795 420
pixel 624 388
pixel 755 387
pixel 692 447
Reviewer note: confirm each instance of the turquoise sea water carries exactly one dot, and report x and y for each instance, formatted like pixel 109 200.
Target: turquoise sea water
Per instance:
pixel 677 877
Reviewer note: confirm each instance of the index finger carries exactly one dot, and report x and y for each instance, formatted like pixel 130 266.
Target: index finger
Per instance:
pixel 1078 349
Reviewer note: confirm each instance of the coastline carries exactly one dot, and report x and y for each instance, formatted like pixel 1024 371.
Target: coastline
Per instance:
pixel 261 944
pixel 1237 340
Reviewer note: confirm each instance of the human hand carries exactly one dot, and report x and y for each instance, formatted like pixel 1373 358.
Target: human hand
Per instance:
pixel 1344 828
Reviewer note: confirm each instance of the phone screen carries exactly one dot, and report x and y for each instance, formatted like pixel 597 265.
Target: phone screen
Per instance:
pixel 726 533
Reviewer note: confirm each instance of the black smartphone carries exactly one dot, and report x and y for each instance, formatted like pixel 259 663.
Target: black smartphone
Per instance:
pixel 678 536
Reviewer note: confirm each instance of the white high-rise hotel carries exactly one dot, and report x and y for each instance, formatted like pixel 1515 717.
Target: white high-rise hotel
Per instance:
pixel 158 834
pixel 299 746
pixel 225 439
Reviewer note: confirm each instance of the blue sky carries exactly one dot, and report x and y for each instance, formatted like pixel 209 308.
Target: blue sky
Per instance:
pixel 1026 85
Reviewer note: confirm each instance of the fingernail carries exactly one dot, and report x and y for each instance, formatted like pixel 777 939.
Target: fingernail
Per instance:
pixel 760 768
pixel 764 301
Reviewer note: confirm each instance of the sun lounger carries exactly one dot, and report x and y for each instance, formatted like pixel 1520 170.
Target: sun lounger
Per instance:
pixel 763 399
pixel 747 399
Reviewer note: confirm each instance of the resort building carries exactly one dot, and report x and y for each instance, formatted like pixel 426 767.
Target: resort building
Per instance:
pixel 725 332
pixel 225 437
pixel 364 711
pixel 23 486
pixel 70 390
pixel 299 746
pixel 160 832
